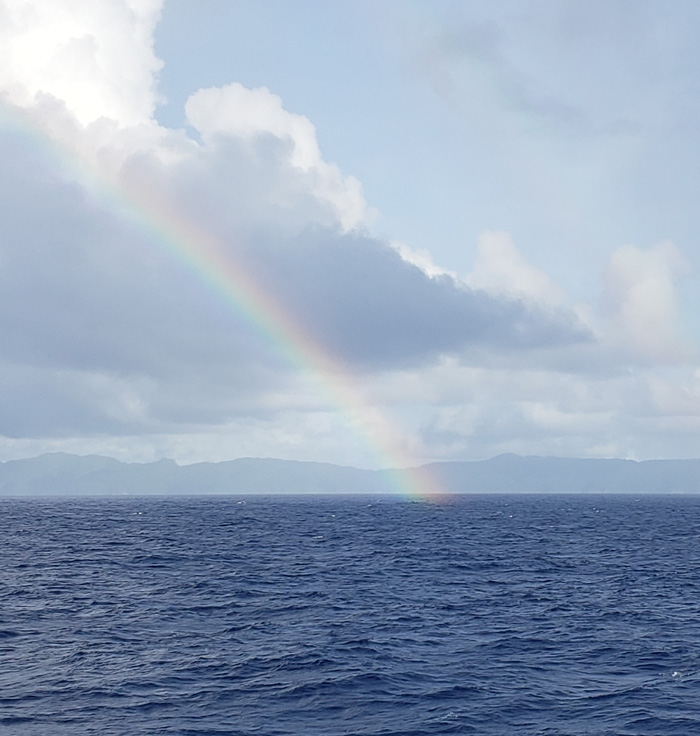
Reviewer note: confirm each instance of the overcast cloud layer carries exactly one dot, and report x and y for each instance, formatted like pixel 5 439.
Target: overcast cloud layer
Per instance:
pixel 114 343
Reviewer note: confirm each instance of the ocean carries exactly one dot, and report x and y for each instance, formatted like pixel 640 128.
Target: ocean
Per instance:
pixel 490 615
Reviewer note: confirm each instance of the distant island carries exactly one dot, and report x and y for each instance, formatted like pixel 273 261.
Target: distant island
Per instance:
pixel 61 474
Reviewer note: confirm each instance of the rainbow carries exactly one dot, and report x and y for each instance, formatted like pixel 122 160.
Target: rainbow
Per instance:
pixel 203 255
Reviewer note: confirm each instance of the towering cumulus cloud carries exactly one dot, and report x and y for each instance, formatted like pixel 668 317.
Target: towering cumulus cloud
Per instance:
pixel 97 59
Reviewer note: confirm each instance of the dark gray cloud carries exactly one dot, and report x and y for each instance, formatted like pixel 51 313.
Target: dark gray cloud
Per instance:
pixel 92 310
pixel 378 311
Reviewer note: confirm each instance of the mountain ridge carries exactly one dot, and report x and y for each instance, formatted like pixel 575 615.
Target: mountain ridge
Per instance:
pixel 65 474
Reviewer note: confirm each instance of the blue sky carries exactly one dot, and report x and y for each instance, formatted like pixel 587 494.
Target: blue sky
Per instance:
pixel 485 212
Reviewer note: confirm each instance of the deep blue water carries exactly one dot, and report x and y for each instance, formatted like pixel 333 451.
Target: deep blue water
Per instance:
pixel 492 615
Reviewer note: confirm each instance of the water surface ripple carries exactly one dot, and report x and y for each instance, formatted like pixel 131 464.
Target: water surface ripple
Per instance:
pixel 526 616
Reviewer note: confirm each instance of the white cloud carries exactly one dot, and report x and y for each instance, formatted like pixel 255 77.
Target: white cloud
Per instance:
pixel 642 413
pixel 97 58
pixel 500 268
pixel 235 111
pixel 641 305
pixel 422 259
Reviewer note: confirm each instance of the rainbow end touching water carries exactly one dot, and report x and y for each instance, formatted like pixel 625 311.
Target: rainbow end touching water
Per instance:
pixel 204 257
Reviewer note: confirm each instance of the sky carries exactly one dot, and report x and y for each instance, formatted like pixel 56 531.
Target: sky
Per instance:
pixel 359 232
